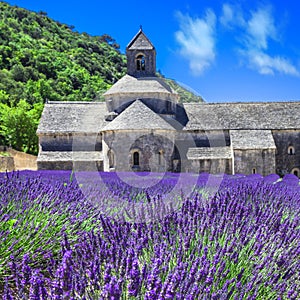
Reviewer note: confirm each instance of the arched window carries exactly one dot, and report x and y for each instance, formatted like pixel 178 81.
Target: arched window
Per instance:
pixel 254 171
pixel 291 150
pixel 111 158
pixel 136 158
pixel 140 62
pixel 296 172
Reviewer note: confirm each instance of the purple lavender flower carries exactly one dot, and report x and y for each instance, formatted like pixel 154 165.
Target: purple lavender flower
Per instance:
pixel 7 294
pixel 37 289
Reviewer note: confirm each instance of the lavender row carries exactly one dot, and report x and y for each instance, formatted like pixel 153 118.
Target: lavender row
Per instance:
pixel 234 238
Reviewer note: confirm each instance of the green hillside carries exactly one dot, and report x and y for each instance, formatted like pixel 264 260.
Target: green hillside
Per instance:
pixel 184 93
pixel 43 59
pixel 40 60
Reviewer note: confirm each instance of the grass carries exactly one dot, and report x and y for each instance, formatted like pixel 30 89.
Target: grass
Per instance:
pixel 4 154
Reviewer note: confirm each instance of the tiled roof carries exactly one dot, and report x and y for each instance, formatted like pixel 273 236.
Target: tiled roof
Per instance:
pixel 138 117
pixel 209 153
pixel 89 117
pixel 129 84
pixel 261 115
pixel 140 42
pixel 69 156
pixel 252 139
pixel 68 117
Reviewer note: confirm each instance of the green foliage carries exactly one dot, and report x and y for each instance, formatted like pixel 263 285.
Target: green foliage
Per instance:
pixel 18 125
pixel 4 154
pixel 42 59
pixel 184 93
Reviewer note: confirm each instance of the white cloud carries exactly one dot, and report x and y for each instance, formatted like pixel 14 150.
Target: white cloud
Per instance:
pixel 196 38
pixel 257 31
pixel 231 16
pixel 227 16
pixel 260 28
pixel 267 65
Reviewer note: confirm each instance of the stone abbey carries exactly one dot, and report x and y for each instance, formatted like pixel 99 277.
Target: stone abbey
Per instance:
pixel 143 127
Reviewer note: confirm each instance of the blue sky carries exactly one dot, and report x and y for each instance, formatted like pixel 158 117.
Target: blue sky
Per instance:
pixel 226 51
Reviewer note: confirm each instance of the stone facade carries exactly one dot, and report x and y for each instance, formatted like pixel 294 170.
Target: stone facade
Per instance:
pixel 287 151
pixel 253 161
pixel 154 150
pixel 142 127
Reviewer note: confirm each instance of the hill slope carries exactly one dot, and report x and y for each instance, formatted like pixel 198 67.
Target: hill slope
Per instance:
pixel 43 59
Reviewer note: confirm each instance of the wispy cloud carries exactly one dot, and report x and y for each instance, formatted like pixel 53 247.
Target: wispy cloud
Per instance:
pixel 256 33
pixel 260 28
pixel 231 16
pixel 267 64
pixel 196 38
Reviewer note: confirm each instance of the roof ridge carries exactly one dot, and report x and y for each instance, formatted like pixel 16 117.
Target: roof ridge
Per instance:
pixel 243 103
pixel 129 84
pixel 74 102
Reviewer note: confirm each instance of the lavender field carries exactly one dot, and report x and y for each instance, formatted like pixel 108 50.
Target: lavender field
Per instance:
pixel 234 238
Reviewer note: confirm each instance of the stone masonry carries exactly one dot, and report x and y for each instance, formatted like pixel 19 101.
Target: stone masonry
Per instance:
pixel 142 127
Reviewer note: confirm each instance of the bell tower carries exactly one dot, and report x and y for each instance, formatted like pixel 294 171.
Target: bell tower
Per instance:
pixel 141 56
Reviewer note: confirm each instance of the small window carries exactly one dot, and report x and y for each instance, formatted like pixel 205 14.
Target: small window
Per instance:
pixel 140 62
pixel 136 158
pixel 160 157
pixel 254 171
pixel 291 150
pixel 296 172
pixel 169 107
pixel 111 159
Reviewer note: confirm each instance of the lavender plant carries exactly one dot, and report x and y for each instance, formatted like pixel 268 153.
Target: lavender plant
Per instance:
pixel 240 243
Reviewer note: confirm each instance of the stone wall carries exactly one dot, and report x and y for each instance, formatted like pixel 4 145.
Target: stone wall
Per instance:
pixel 150 63
pixel 54 165
pixel 212 166
pixel 286 162
pixel 6 163
pixel 71 165
pixel 249 161
pixel 70 142
pixel 155 149
pixel 16 160
pixel 161 103
pixel 211 138
pixel 202 138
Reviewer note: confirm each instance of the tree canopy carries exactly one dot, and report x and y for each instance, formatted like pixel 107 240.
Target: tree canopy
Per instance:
pixel 42 59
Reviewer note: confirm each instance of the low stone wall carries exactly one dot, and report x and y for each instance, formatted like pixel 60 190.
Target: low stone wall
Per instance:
pixel 212 166
pixel 23 161
pixel 6 163
pixel 70 165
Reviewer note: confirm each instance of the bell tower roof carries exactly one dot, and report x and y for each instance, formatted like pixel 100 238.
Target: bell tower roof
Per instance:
pixel 140 42
pixel 141 56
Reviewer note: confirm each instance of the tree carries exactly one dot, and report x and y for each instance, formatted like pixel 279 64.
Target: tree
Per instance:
pixel 18 125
